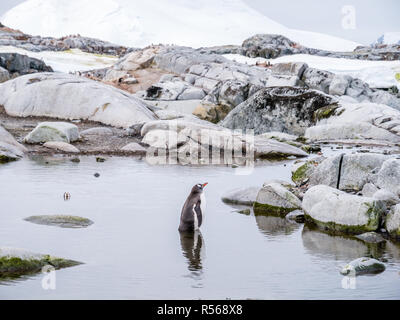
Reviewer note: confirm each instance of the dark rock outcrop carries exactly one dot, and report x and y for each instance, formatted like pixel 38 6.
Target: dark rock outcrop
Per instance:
pixel 283 109
pixel 18 64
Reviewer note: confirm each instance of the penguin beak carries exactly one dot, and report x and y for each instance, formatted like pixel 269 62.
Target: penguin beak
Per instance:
pixel 205 184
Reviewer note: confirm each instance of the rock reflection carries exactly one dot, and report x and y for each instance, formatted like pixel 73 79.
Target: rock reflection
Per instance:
pixel 339 247
pixel 275 226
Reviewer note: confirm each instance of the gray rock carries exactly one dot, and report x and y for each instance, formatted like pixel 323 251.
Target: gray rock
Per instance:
pixel 369 190
pixel 335 210
pixel 61 146
pixel 19 64
pixel 290 68
pixel 134 147
pixel 387 197
pixel 371 237
pixel 317 79
pixel 392 222
pixel 53 131
pixel 327 172
pixel 363 266
pixel 4 75
pixel 65 96
pixel 339 85
pixel 63 221
pixel 289 110
pixel 275 199
pixel 97 131
pixel 388 176
pixel 242 196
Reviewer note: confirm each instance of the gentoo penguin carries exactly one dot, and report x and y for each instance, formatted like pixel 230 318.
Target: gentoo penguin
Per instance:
pixel 193 210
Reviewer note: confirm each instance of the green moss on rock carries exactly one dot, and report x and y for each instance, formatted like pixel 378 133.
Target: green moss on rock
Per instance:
pixel 325 112
pixel 266 209
pixel 63 221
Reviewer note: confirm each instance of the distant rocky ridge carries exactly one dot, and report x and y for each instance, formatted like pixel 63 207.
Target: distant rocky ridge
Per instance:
pixel 16 38
pixel 272 46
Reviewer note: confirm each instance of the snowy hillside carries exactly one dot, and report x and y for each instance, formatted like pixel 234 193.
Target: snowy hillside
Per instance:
pixel 139 23
pixel 389 38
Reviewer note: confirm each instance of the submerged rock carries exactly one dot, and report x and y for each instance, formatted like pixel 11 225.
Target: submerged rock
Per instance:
pixel 243 196
pixel 371 237
pixel 334 210
pixel 53 131
pixel 17 262
pixel 363 266
pixel 275 199
pixel 63 221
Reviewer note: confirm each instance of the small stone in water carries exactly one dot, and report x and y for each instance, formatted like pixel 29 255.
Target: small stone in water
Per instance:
pixel 100 159
pixel 97 174
pixel 76 160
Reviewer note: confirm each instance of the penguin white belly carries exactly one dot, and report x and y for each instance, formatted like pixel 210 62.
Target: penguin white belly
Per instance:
pixel 196 220
pixel 202 205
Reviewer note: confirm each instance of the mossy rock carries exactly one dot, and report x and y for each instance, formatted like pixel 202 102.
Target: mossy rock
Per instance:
pixel 63 221
pixel 266 209
pixel 302 173
pixel 5 159
pixel 18 262
pixel 325 112
pixel 397 76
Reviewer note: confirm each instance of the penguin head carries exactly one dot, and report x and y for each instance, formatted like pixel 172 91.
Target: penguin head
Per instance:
pixel 198 188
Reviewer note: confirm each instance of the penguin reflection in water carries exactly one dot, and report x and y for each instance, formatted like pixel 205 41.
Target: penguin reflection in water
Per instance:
pixel 192 215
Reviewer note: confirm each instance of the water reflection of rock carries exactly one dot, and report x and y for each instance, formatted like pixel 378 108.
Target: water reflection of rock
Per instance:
pixel 275 226
pixel 193 248
pixel 339 247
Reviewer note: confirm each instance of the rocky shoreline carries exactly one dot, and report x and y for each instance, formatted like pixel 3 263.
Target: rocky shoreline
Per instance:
pixel 164 102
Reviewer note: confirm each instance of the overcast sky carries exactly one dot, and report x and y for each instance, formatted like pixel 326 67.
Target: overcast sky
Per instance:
pixel 372 17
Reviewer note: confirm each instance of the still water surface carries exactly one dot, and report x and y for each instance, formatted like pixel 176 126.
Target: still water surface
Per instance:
pixel 134 250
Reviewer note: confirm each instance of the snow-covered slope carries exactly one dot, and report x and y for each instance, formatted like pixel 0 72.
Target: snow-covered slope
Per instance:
pixel 378 74
pixel 138 23
pixel 389 38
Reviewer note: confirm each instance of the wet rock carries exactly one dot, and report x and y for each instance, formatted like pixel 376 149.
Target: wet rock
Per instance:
pixel 363 266
pixel 53 131
pixel 65 96
pixel 97 131
pixel 296 215
pixel 275 199
pixel 243 196
pixel 17 262
pixel 392 223
pixel 282 109
pixel 371 237
pixel 63 221
pixel 334 210
pixel 61 146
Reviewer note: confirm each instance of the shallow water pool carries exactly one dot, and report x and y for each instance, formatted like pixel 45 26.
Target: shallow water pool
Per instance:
pixel 134 250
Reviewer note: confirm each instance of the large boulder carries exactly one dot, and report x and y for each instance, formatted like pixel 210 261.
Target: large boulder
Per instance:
pixel 53 131
pixel 10 149
pixel 392 223
pixel 348 172
pixel 66 96
pixel 283 109
pixel 17 262
pixel 242 196
pixel 275 199
pixel 334 210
